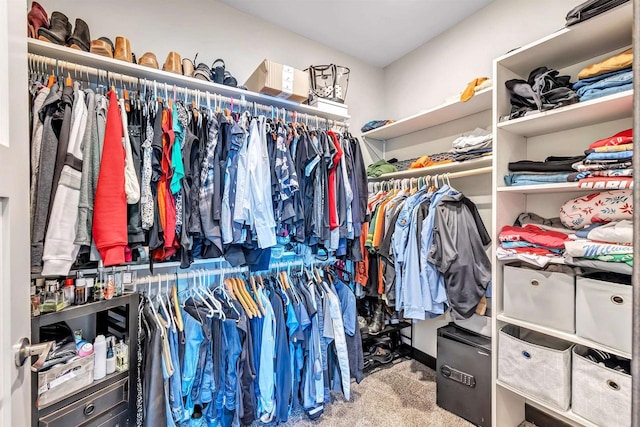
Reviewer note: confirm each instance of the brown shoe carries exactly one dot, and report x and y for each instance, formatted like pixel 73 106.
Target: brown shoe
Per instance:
pixel 187 67
pixel 102 46
pixel 173 63
pixel 123 49
pixel 149 60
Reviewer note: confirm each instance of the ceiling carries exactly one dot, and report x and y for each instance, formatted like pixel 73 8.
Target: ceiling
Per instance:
pixel 375 31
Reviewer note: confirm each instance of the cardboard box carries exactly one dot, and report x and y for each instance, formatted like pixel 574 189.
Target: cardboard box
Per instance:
pixel 64 380
pixel 280 81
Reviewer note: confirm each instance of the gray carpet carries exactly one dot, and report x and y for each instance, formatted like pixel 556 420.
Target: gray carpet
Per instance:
pixel 402 395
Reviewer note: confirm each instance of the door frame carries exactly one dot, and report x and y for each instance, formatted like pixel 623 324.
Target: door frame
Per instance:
pixel 15 316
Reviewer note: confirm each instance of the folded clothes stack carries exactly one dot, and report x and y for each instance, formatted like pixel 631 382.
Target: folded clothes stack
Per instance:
pixel 544 90
pixel 603 231
pixel 533 239
pixel 608 164
pixel 477 143
pixel 553 169
pixel 607 77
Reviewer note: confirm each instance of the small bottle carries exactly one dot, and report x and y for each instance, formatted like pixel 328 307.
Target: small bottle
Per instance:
pixel 111 359
pixel 109 287
pixel 98 294
pixel 81 290
pixel 119 284
pixel 122 357
pixel 100 358
pixel 35 302
pixel 69 291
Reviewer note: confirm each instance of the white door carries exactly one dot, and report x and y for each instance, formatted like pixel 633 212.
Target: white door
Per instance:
pixel 15 383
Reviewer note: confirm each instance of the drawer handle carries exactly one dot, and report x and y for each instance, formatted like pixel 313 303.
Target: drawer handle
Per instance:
pixel 613 385
pixel 89 409
pixel 526 354
pixel 534 283
pixel 617 299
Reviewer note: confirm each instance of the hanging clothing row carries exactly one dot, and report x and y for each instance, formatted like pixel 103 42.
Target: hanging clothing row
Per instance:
pixel 119 172
pixel 246 349
pixel 425 249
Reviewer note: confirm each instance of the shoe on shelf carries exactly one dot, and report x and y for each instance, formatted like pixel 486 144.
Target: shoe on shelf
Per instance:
pixel 123 49
pixel 80 39
pixel 362 322
pixel 58 31
pixel 173 64
pixel 149 60
pixel 36 18
pixel 102 46
pixel 377 321
pixel 394 318
pixel 202 72
pixel 381 355
pixel 187 67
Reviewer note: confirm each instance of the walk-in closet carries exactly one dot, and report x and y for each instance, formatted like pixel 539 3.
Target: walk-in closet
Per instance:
pixel 254 213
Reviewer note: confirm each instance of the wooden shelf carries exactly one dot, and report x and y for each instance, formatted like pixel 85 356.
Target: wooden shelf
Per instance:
pixel 481 101
pixel 602 34
pixel 470 165
pixel 568 415
pixel 79 57
pixel 544 188
pixel 594 111
pixel 562 335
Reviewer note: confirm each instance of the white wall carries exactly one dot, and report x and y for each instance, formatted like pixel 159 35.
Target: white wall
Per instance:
pixel 218 31
pixel 442 67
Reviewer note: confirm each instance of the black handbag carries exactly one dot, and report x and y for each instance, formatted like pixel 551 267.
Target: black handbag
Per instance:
pixel 589 9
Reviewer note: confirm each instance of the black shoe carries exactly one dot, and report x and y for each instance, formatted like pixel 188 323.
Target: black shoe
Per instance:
pixel 377 321
pixel 394 318
pixel 382 356
pixel 80 39
pixel 58 31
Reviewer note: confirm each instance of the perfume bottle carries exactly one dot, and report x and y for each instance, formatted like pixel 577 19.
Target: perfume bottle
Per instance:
pixel 53 297
pixel 122 356
pixel 69 291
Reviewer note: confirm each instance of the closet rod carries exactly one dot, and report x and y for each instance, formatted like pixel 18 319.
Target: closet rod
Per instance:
pixel 225 270
pixel 39 62
pixel 447 175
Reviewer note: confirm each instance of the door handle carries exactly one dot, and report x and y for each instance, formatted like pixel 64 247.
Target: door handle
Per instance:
pixel 25 350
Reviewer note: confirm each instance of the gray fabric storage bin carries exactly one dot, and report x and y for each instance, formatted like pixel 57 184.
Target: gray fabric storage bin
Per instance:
pixel 536 364
pixel 604 312
pixel 600 394
pixel 540 297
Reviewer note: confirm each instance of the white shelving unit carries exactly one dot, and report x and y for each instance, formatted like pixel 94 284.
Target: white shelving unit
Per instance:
pixel 564 131
pixel 116 67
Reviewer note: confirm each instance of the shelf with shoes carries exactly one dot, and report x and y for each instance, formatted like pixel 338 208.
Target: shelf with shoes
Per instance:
pixel 565 131
pixel 67 59
pixel 388 329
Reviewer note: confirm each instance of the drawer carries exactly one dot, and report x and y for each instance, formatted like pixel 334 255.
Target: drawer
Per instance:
pixel 540 297
pixel 604 312
pixel 90 408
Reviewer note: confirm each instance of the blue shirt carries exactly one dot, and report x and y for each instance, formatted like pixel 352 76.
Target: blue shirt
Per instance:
pixel 348 307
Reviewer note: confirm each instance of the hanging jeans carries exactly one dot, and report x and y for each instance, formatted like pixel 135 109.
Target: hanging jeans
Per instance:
pixel 231 349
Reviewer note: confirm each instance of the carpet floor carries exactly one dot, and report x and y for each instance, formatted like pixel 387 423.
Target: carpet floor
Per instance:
pixel 401 395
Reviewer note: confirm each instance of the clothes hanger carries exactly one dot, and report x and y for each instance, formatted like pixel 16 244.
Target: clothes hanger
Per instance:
pixel 257 296
pixel 207 291
pixel 174 296
pixel 161 303
pixel 250 299
pixel 153 310
pixel 197 293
